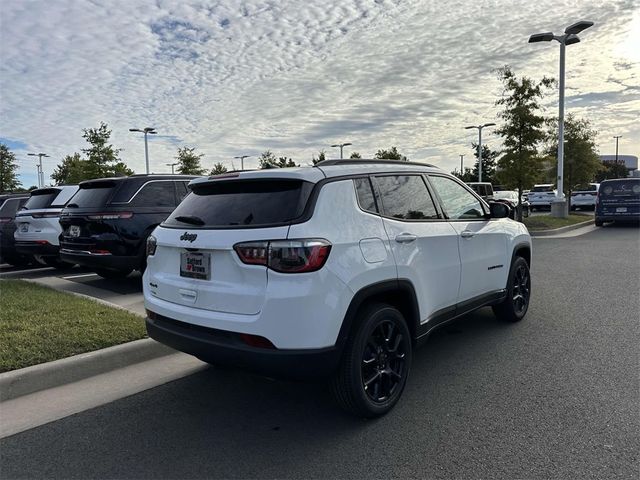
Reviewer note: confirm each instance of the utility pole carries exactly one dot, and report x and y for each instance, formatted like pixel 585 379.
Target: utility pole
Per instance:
pixel 461 165
pixel 146 131
pixel 39 167
pixel 617 137
pixel 241 158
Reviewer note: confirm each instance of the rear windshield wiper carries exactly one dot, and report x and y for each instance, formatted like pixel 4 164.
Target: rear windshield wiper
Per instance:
pixel 189 219
pixel 72 205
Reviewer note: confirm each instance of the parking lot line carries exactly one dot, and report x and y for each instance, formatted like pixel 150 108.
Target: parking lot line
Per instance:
pixel 80 276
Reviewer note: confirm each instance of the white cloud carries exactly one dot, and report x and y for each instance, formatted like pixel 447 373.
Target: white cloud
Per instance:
pixel 239 77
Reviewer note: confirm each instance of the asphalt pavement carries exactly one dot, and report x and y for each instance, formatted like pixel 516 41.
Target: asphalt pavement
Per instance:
pixel 554 396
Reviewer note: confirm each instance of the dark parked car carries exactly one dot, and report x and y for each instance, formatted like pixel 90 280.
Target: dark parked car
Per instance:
pixel 9 206
pixel 106 224
pixel 618 201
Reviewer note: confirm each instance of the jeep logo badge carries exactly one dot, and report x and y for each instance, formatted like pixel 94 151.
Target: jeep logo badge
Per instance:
pixel 188 237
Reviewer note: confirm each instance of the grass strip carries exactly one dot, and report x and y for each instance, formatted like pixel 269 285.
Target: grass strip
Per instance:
pixel 547 222
pixel 39 324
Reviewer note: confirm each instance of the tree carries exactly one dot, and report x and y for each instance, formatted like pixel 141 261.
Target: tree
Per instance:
pixel 467 176
pixel 522 131
pixel 218 169
pixel 189 161
pixel 8 170
pixel 72 170
pixel 321 157
pixel 355 155
pixel 269 160
pixel 391 154
pixel 489 158
pixel 612 169
pixel 581 161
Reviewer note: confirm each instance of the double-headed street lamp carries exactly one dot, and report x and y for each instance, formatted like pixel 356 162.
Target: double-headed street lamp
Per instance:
pixel 341 145
pixel 39 167
pixel 241 158
pixel 480 127
pixel 569 38
pixel 146 131
pixel 172 165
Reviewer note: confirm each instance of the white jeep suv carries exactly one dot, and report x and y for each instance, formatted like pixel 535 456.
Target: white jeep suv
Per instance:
pixel 335 271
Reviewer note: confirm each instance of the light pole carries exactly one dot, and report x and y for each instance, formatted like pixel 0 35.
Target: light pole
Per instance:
pixel 617 137
pixel 146 131
pixel 480 127
pixel 461 165
pixel 569 38
pixel 39 167
pixel 172 165
pixel 341 145
pixel 242 157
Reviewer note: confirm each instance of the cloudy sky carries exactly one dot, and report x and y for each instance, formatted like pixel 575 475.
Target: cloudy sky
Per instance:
pixel 237 77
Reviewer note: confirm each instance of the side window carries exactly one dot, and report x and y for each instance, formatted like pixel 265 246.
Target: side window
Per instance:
pixel 181 190
pixel 365 195
pixel 156 194
pixel 406 197
pixel 457 201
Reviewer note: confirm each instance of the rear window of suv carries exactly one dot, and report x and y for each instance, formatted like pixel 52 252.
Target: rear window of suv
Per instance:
pixel 241 203
pixel 41 198
pixel 92 195
pixel 620 188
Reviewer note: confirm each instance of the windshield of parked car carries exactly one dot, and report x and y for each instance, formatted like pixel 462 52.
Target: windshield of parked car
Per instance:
pixel 242 203
pixel 506 195
pixel 621 188
pixel 542 188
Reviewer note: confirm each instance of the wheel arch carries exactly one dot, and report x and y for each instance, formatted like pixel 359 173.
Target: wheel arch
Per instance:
pixel 522 250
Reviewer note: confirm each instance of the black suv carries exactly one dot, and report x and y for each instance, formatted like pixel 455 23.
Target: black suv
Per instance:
pixel 9 206
pixel 106 224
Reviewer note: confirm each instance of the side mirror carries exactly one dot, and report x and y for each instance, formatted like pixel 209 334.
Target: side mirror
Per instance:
pixel 499 210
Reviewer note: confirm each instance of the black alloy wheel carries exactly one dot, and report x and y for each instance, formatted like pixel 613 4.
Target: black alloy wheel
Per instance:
pixel 375 363
pixel 514 307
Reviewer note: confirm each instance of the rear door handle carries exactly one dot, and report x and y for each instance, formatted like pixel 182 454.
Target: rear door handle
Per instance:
pixel 467 234
pixel 406 238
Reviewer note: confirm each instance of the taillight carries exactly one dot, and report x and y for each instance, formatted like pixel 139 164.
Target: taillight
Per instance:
pixel 110 216
pixel 5 219
pixel 286 256
pixel 152 243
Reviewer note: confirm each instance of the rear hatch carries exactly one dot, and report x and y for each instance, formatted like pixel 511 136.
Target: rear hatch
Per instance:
pixel 38 218
pixel 195 263
pixel 541 194
pixel 84 214
pixel 619 197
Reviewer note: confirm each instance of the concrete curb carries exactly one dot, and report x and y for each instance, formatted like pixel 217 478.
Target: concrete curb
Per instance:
pixel 67 370
pixel 555 231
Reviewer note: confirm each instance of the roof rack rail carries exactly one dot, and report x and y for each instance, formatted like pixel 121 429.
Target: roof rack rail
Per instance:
pixel 377 161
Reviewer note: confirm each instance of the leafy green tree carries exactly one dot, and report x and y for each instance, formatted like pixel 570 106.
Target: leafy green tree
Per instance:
pixel 355 155
pixel 269 160
pixel 489 159
pixel 391 154
pixel 321 157
pixel 612 169
pixel 467 176
pixel 581 160
pixel 72 170
pixel 284 162
pixel 522 131
pixel 218 169
pixel 8 170
pixel 189 161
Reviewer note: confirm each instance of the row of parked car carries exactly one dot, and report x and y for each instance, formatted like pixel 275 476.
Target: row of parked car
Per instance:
pixel 100 224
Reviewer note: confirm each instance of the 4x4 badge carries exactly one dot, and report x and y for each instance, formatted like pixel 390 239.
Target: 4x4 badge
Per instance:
pixel 189 237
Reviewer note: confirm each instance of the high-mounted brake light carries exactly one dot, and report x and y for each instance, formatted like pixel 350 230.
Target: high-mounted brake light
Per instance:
pixel 110 216
pixel 286 256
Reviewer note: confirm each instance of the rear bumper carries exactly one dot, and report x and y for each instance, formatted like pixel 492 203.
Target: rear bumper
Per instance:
pixel 42 248
pixel 618 218
pixel 227 348
pixel 106 261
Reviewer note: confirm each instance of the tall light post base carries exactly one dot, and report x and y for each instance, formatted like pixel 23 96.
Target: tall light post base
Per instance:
pixel 559 208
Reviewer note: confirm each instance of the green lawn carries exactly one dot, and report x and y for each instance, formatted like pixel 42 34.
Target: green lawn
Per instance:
pixel 547 222
pixel 39 324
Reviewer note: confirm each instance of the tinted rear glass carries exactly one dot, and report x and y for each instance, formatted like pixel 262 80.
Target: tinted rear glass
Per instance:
pixel 243 203
pixel 41 199
pixel 10 207
pixel 620 188
pixel 93 195
pixel 542 189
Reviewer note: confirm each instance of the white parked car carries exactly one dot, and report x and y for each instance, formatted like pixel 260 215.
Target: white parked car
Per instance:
pixel 541 196
pixel 38 226
pixel 337 271
pixel 585 197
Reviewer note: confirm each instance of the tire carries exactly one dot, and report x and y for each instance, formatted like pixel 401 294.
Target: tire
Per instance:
pixel 378 351
pixel 598 222
pixel 515 306
pixel 111 274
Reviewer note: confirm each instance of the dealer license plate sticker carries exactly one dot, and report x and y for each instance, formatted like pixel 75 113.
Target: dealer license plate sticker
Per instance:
pixel 195 265
pixel 621 209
